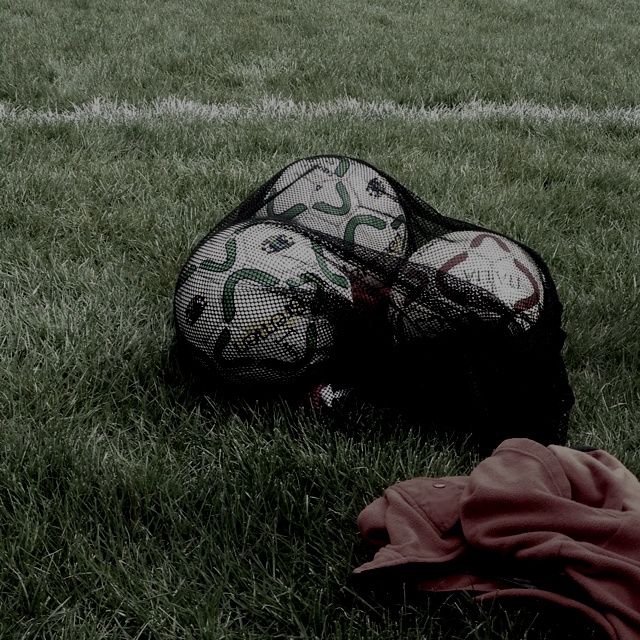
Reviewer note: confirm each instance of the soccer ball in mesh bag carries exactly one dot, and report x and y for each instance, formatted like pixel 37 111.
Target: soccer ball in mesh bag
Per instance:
pixel 257 300
pixel 342 198
pixel 464 275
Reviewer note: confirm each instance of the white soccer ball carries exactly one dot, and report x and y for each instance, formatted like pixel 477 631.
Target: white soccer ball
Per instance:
pixel 342 198
pixel 466 275
pixel 256 300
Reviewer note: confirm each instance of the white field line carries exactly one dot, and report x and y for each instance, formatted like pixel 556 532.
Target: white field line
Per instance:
pixel 100 110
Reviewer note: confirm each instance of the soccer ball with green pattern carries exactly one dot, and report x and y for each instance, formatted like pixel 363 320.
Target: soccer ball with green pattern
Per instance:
pixel 256 300
pixel 342 198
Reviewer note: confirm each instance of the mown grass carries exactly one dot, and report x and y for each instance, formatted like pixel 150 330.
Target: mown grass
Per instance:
pixel 131 509
pixel 129 506
pixel 411 51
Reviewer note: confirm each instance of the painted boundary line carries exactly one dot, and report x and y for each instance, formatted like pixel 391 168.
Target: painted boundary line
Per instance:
pixel 100 110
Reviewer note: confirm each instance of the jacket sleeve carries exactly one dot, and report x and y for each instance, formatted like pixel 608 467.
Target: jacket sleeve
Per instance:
pixel 415 521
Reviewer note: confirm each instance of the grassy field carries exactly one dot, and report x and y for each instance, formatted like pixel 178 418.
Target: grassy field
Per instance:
pixel 129 506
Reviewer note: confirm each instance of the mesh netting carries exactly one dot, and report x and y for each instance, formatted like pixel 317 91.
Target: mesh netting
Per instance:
pixel 334 281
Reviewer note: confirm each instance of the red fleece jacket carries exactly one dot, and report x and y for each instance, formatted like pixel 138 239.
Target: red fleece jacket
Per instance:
pixel 560 524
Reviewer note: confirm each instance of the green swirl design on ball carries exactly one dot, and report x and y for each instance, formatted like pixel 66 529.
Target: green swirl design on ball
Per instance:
pixel 332 210
pixel 357 221
pixel 228 292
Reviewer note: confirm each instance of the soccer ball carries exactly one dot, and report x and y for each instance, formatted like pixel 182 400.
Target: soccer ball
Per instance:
pixel 466 276
pixel 323 398
pixel 342 198
pixel 257 300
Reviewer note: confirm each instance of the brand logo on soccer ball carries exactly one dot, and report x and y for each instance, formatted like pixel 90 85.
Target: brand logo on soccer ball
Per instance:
pixel 493 278
pixel 262 329
pixel 276 243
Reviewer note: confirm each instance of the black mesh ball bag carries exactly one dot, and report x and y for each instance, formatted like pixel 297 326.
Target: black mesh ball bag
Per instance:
pixel 334 281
